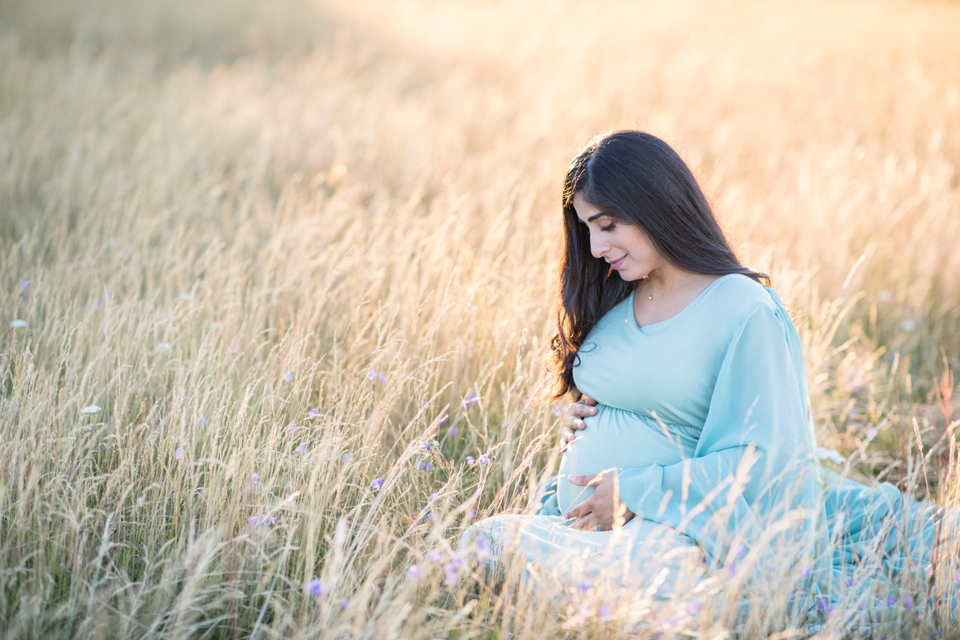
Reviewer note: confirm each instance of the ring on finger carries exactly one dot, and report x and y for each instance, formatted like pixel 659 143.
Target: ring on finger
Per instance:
pixel 597 528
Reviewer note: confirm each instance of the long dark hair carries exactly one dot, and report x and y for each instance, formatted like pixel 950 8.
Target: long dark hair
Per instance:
pixel 638 179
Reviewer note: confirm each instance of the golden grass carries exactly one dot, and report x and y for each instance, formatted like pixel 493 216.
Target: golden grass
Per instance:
pixel 215 218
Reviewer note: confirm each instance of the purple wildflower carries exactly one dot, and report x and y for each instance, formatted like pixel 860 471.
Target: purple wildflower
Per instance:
pixel 693 608
pixel 848 582
pixel 732 570
pixel 430 516
pixel 871 433
pixel 452 432
pixel 254 521
pixel 256 477
pixel 483 459
pixel 471 514
pixel 442 421
pixel 377 484
pixel 470 462
pixel 302 448
pixel 372 376
pixel 451 575
pixel 908 602
pixel 739 551
pixel 413 571
pixel 313 413
pixel 345 604
pixel 270 520
pixel 382 378
pixel 24 285
pixel 178 453
pixel 203 421
pixel 425 446
pixel 822 604
pixel 604 612
pixel 292 426
pixel 483 546
pixel 804 571
pixel 288 376
pixel 556 411
pixel 435 556
pixel 470 400
pixel 345 457
pixel 583 585
pixel 432 496
pixel 315 587
pixel 890 601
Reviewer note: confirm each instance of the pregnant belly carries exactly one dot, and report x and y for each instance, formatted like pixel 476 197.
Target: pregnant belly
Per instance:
pixel 620 439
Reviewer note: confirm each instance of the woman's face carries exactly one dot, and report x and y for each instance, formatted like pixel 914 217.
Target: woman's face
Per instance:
pixel 625 247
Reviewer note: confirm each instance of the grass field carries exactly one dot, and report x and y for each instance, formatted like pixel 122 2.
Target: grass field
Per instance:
pixel 255 255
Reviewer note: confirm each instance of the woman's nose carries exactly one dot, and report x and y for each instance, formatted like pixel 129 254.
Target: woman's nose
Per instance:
pixel 598 248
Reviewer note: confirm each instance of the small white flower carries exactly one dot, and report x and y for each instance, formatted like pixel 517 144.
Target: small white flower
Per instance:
pixel 822 453
pixel 187 297
pixel 90 410
pixel 908 325
pixel 18 324
pixel 163 347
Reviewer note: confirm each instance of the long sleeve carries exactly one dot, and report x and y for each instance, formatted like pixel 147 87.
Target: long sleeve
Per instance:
pixel 751 465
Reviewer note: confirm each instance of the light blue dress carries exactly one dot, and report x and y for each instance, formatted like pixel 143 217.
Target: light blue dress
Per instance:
pixel 706 415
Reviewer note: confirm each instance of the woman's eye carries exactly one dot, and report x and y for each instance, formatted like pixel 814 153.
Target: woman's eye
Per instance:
pixel 609 227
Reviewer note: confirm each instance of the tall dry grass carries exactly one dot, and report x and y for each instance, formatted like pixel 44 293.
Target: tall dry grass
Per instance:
pixel 216 218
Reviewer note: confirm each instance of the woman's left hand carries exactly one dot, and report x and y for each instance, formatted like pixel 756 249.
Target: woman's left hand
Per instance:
pixel 603 510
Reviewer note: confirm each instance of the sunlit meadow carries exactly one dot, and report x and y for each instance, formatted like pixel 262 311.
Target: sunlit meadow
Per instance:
pixel 277 285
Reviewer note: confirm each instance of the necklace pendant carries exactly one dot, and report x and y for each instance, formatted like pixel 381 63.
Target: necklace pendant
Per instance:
pixel 649 297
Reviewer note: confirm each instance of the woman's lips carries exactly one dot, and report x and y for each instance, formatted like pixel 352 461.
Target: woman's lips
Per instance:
pixel 616 265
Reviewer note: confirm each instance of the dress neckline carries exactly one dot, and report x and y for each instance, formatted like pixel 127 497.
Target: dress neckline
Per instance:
pixel 633 316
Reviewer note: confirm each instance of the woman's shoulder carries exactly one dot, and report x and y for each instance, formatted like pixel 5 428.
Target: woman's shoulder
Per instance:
pixel 738 297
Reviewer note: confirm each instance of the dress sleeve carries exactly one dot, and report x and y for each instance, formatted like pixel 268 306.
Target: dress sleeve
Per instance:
pixel 752 462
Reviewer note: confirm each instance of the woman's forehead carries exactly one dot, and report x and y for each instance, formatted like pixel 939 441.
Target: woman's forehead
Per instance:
pixel 586 211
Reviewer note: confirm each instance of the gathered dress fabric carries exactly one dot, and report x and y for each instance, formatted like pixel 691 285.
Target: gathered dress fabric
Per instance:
pixel 706 419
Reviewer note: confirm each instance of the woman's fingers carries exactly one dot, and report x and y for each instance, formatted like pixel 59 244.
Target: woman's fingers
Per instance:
pixel 574 414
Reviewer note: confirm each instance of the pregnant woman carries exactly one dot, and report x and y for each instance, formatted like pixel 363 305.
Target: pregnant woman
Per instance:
pixel 692 445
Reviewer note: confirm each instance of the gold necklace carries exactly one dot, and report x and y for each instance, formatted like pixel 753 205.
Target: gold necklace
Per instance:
pixel 674 285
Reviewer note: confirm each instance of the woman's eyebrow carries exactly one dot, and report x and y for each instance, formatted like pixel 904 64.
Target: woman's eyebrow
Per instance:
pixel 597 215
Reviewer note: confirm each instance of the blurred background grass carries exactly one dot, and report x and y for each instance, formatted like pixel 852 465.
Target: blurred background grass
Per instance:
pixel 216 217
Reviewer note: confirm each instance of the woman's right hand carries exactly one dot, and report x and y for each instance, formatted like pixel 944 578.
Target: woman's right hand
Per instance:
pixel 573 415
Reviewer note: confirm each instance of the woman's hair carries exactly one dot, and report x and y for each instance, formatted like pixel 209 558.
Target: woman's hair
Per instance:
pixel 638 179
